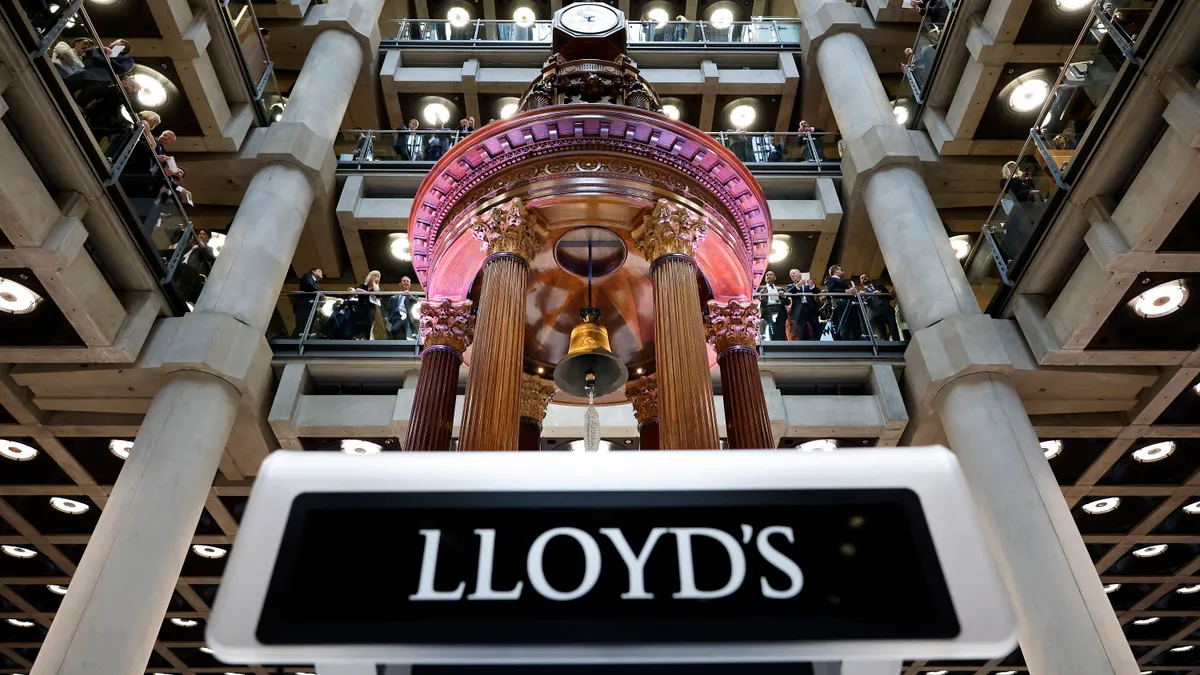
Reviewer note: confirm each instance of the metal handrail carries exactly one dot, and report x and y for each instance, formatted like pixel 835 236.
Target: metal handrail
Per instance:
pixel 477 33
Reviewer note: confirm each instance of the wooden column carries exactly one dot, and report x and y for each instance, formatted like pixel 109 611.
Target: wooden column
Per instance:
pixel 491 409
pixel 446 327
pixel 536 393
pixel 733 332
pixel 668 238
pixel 643 394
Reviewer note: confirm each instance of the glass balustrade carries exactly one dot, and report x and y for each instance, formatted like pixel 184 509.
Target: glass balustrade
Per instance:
pixel 758 31
pixel 918 65
pixel 350 319
pixel 815 321
pixel 249 36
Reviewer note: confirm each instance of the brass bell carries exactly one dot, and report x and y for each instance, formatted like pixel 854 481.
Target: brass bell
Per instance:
pixel 590 352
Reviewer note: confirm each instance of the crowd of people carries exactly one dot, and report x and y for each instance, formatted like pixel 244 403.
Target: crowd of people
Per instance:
pixel 351 317
pixel 751 147
pixel 801 310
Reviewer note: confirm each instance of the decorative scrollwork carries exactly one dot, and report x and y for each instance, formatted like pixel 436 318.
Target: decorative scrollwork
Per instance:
pixel 643 394
pixel 448 323
pixel 733 324
pixel 510 228
pixel 670 228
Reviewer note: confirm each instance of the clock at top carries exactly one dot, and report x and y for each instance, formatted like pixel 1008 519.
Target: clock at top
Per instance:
pixel 589 30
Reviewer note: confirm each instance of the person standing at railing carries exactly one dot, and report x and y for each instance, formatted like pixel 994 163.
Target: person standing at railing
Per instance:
pixel 682 25
pixel 882 316
pixel 438 143
pixel 814 148
pixel 302 302
pixel 68 58
pixel 410 145
pixel 774 307
pixel 363 307
pixel 804 309
pixel 846 322
pixel 96 61
pixel 400 315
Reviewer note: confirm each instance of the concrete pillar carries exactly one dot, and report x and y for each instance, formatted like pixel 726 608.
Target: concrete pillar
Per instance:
pixel 1067 627
pixel 123 585
pixel 643 394
pixel 733 332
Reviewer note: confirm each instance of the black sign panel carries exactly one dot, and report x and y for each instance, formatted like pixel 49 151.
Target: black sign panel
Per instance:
pixel 542 568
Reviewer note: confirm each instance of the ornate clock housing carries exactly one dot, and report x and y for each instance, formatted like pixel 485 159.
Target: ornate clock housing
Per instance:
pixel 589 30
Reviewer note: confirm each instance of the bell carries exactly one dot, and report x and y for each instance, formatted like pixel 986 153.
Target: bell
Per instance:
pixel 590 352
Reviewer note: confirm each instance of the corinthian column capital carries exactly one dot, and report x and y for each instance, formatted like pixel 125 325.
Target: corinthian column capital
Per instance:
pixel 734 323
pixel 670 229
pixel 643 394
pixel 448 323
pixel 536 393
pixel 510 228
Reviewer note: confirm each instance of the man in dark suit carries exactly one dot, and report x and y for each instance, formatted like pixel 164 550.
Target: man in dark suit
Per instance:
pixel 846 321
pixel 878 302
pixel 804 311
pixel 302 303
pixel 401 322
pixel 410 145
pixel 773 305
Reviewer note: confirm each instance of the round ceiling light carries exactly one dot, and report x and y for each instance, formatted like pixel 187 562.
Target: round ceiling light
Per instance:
pixel 120 448
pixel 1192 509
pixel 57 589
pixel 216 240
pixel 1188 590
pixel 398 246
pixel 1150 551
pixel 18 452
pixel 508 110
pixel 1007 672
pixel 1072 5
pixel 16 299
pixel 1185 648
pixel 206 650
pixel 742 116
pixel 211 552
pixel 327 306
pixel 151 93
pixel 18 552
pixel 1148 621
pixel 524 16
pixel 579 446
pixel 458 17
pixel 1162 300
pixel 20 623
pixel 779 249
pixel 671 111
pixel 902 114
pixel 69 506
pixel 659 16
pixel 1029 95
pixel 1051 449
pixel 1112 588
pixel 352 446
pixel 961 245
pixel 822 445
pixel 722 17
pixel 1101 506
pixel 185 623
pixel 1154 453
pixel 936 672
pixel 436 114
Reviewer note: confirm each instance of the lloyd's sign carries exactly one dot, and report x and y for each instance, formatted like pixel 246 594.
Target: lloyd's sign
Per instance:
pixel 611 557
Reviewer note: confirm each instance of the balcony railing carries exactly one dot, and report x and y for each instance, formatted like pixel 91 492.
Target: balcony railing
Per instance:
pixel 832 324
pixel 919 66
pixel 430 32
pixel 373 149
pixel 356 321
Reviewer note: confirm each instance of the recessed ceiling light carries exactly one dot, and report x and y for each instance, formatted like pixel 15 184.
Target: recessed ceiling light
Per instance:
pixel 961 245
pixel 206 650
pixel 151 92
pixel 672 111
pixel 524 16
pixel 1184 648
pixel 216 241
pixel 902 114
pixel 458 18
pixel 822 445
pixel 1072 5
pixel 1112 588
pixel 1188 590
pixel 743 116
pixel 20 623
pixel 1029 95
pixel 1107 505
pixel 936 672
pixel 1051 448
pixel 659 16
pixel 579 446
pixel 185 623
pixel 508 110
pixel 17 451
pixel 69 506
pixel 120 448
pixel 56 589
pixel 398 246
pixel 212 552
pixel 327 306
pixel 352 446
pixel 1150 551
pixel 1146 621
pixel 18 552
pixel 721 17
pixel 1007 672
pixel 541 370
pixel 641 371
pixel 1160 301
pixel 16 299
pixel 1192 509
pixel 779 249
pixel 436 114
pixel 1155 452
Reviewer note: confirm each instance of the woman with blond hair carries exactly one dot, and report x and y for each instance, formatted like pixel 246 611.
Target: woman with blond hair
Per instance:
pixel 364 306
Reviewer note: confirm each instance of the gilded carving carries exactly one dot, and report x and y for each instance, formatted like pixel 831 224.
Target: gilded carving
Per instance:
pixel 510 228
pixel 449 323
pixel 535 396
pixel 643 394
pixel 670 228
pixel 733 324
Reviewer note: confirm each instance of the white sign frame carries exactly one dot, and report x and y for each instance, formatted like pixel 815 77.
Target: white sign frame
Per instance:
pixel 988 627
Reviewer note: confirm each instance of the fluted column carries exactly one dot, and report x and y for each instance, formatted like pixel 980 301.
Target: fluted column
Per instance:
pixel 491 413
pixel 447 328
pixel 643 394
pixel 668 238
pixel 536 393
pixel 733 333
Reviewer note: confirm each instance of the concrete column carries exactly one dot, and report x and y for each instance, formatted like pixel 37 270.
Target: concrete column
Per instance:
pixel 733 332
pixel 124 583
